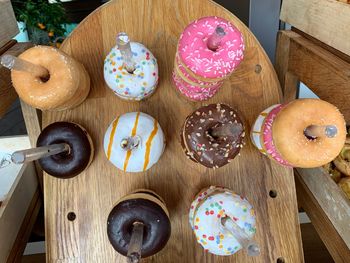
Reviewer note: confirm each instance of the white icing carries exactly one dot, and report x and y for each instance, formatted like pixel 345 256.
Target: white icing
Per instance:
pixel 258 126
pixel 205 218
pixel 145 127
pixel 137 86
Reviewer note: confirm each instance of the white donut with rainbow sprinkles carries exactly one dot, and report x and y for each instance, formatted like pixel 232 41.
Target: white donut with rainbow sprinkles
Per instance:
pixel 137 85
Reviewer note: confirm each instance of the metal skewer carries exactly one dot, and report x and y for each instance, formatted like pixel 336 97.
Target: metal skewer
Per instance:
pixel 130 143
pixel 12 62
pixel 215 39
pixel 246 242
pixel 316 131
pixel 123 43
pixel 33 154
pixel 135 245
pixel 227 130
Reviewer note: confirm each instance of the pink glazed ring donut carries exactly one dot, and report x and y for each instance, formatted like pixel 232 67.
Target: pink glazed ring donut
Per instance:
pixel 203 62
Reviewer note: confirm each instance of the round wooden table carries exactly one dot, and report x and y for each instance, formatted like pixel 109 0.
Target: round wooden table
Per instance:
pixel 91 195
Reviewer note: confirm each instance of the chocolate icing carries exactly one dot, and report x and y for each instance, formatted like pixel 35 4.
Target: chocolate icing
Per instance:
pixel 199 144
pixel 157 227
pixel 65 165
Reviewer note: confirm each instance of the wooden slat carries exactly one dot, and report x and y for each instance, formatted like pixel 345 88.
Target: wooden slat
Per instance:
pixel 26 229
pixel 324 73
pixel 289 81
pixel 7 93
pixel 8 28
pixel 32 119
pixel 326 20
pixel 323 209
pixel 91 195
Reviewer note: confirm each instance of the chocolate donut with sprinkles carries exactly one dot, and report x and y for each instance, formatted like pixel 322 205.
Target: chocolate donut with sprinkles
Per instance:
pixel 213 135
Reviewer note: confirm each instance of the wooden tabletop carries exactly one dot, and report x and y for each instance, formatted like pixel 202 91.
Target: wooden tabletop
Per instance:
pixel 91 195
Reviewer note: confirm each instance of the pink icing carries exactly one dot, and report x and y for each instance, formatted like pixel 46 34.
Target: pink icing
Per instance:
pixel 194 92
pixel 191 78
pixel 268 137
pixel 204 62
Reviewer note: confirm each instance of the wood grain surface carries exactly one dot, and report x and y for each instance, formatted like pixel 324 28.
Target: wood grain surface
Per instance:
pixel 328 209
pixel 325 20
pixel 7 93
pixel 91 195
pixel 8 22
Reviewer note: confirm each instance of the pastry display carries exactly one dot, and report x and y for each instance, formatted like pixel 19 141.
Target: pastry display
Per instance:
pixel 212 135
pixel 131 70
pixel 339 168
pixel 134 142
pixel 78 155
pixel 209 50
pixel 48 79
pixel 139 225
pixel 304 133
pixel 223 222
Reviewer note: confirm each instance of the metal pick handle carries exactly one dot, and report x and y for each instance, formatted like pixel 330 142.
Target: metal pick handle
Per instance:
pixel 214 40
pixel 227 130
pixel 246 242
pixel 123 43
pixel 12 62
pixel 33 154
pixel 316 131
pixel 135 245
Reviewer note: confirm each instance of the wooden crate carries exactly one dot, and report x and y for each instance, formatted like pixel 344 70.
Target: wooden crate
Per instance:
pixel 326 73
pixel 326 20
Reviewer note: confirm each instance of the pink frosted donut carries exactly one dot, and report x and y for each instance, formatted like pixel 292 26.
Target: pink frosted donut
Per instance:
pixel 194 92
pixel 190 78
pixel 268 139
pixel 202 61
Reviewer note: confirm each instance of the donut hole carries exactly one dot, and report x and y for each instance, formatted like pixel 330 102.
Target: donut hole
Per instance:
pixel 62 155
pixel 308 137
pixel 44 78
pixel 130 226
pixel 280 260
pixel 71 216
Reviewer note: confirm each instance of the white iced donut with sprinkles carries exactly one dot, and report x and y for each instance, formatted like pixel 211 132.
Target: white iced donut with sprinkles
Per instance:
pixel 206 213
pixel 135 85
pixel 134 142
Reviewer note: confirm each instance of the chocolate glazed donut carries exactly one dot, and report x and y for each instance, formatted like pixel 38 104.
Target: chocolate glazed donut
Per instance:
pixel 156 222
pixel 212 135
pixel 66 164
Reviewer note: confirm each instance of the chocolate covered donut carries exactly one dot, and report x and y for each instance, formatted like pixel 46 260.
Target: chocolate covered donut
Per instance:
pixel 145 207
pixel 212 135
pixel 71 163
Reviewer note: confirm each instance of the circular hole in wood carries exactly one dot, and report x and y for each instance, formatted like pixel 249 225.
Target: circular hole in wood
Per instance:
pixel 258 68
pixel 71 216
pixel 281 260
pixel 273 193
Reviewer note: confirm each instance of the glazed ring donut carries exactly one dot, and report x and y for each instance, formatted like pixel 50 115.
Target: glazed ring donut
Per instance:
pixel 66 165
pixel 290 141
pixel 145 207
pixel 138 85
pixel 199 144
pixel 67 87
